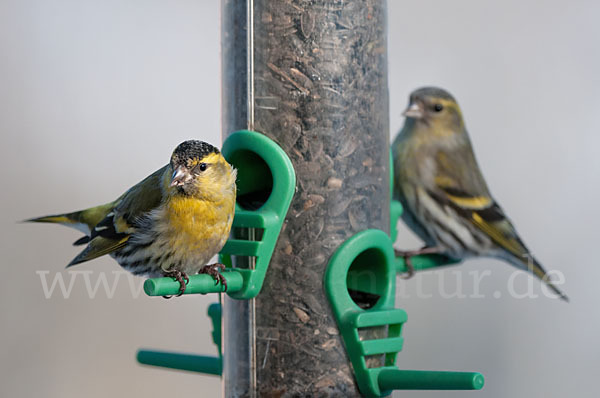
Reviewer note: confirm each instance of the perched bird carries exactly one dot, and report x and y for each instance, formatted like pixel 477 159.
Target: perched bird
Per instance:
pixel 445 198
pixel 170 224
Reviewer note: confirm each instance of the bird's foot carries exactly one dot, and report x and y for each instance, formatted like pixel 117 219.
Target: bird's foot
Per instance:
pixel 180 277
pixel 409 254
pixel 410 268
pixel 214 271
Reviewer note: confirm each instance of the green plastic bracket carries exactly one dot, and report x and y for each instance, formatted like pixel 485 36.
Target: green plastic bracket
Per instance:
pixel 420 262
pixel 215 313
pixel 266 183
pixel 365 262
pixel 193 363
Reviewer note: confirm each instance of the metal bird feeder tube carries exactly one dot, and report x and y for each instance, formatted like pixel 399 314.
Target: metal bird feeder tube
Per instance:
pixel 311 76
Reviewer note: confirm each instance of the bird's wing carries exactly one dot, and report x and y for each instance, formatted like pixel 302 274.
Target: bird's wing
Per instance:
pixel 114 230
pixel 97 247
pixel 141 198
pixel 458 182
pixel 461 186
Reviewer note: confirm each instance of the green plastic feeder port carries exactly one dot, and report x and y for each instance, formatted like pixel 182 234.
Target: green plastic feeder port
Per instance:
pixel 266 185
pixel 365 263
pixel 420 262
pixel 266 182
pixel 191 362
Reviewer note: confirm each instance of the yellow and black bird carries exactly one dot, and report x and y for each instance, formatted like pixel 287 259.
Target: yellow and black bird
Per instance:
pixel 445 198
pixel 170 224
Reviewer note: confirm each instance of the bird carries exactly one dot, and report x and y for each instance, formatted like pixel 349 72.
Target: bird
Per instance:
pixel 445 198
pixel 169 224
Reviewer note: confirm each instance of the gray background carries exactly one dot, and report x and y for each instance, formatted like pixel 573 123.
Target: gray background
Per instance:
pixel 95 95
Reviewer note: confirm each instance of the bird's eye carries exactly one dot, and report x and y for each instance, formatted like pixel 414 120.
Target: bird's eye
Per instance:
pixel 199 168
pixel 438 107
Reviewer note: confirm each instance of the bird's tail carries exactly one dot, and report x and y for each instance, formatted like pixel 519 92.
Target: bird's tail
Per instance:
pixel 83 220
pixel 533 266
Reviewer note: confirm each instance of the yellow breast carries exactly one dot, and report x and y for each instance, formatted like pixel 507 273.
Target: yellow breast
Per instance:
pixel 197 227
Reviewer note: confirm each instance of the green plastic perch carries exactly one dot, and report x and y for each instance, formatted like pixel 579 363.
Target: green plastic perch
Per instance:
pixel 422 262
pixel 193 363
pixel 200 283
pixel 172 360
pixel 396 379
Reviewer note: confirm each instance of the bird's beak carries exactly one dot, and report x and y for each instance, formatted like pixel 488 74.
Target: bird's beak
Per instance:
pixel 414 110
pixel 180 176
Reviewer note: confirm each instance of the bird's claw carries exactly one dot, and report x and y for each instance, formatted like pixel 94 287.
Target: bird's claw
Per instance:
pixel 410 268
pixel 180 277
pixel 408 255
pixel 214 271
